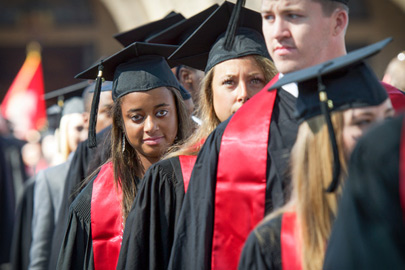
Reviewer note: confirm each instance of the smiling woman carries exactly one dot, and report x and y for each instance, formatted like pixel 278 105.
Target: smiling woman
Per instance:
pixel 149 115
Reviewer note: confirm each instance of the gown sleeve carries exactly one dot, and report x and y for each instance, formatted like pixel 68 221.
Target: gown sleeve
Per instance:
pixel 149 229
pixel 193 233
pixel 262 248
pixel 77 248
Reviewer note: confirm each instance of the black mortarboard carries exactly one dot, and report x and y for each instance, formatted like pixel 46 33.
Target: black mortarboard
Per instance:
pixel 209 44
pixel 142 33
pixel 138 67
pixel 342 1
pixel 73 105
pixel 341 83
pixel 179 32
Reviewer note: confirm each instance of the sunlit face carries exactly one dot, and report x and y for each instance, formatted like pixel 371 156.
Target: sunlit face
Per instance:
pixel 104 115
pixel 233 83
pixel 76 132
pixel 150 120
pixel 297 33
pixel 357 121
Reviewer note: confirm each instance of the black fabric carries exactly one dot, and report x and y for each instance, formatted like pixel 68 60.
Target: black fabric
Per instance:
pixel 193 235
pixel 347 80
pixel 22 234
pixel 369 232
pixel 149 229
pixel 85 161
pixel 77 248
pixel 205 47
pixel 262 249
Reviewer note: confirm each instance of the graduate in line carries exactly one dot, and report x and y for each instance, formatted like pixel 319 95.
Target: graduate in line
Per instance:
pixel 295 236
pixel 149 115
pixel 232 77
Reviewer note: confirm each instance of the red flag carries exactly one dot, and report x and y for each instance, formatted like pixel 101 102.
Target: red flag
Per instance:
pixel 23 104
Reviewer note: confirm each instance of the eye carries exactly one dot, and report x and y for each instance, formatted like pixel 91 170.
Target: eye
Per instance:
pixel 228 82
pixel 137 118
pixel 293 16
pixel 362 123
pixel 257 80
pixel 268 17
pixel 161 113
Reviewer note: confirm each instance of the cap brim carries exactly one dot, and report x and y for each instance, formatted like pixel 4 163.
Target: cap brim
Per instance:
pixel 134 50
pixel 332 65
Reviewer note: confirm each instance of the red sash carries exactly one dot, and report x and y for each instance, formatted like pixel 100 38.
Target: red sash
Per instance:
pixel 187 164
pixel 402 169
pixel 106 219
pixel 241 178
pixel 290 256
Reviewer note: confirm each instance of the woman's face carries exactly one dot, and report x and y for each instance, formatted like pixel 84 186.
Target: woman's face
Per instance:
pixel 233 83
pixel 150 120
pixel 357 121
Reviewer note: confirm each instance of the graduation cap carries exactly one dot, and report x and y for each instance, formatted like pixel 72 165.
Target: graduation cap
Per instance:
pixel 231 31
pixel 180 31
pixel 341 83
pixel 138 67
pixel 142 33
pixel 342 1
pixel 105 86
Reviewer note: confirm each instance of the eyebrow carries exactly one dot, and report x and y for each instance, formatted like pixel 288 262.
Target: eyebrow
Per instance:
pixel 156 106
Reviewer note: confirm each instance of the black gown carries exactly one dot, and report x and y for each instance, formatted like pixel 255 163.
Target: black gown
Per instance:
pixel 77 248
pixel 84 162
pixel 262 249
pixel 149 229
pixel 369 232
pixel 194 232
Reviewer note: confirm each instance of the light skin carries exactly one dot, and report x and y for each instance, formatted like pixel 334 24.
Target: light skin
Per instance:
pixel 191 78
pixel 76 130
pixel 150 121
pixel 234 82
pixel 298 34
pixel 104 115
pixel 358 121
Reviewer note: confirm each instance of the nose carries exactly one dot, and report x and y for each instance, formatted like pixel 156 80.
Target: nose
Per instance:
pixel 280 29
pixel 150 124
pixel 242 92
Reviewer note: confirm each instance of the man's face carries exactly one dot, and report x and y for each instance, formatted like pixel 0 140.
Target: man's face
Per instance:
pixel 297 33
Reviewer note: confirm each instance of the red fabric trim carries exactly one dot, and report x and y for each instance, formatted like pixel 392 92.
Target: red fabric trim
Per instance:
pixel 106 219
pixel 187 164
pixel 290 255
pixel 402 169
pixel 241 178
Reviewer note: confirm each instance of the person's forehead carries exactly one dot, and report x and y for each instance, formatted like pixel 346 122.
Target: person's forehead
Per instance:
pixel 267 4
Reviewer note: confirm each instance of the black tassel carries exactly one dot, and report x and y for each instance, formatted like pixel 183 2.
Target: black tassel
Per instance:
pixel 325 111
pixel 233 24
pixel 92 142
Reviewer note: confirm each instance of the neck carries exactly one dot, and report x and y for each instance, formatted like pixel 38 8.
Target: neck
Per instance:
pixel 147 162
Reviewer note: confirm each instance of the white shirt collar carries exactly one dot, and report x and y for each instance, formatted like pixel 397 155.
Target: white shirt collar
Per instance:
pixel 291 88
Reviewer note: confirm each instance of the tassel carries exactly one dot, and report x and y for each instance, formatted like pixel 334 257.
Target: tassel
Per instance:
pixel 323 98
pixel 92 142
pixel 233 24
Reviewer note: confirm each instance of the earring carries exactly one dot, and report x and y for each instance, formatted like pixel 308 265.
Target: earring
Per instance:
pixel 123 142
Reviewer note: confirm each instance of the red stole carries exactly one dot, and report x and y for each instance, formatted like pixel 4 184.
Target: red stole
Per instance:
pixel 290 256
pixel 402 169
pixel 106 219
pixel 241 178
pixel 187 164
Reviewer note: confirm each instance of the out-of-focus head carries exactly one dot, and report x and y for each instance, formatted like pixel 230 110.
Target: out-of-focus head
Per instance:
pixel 395 72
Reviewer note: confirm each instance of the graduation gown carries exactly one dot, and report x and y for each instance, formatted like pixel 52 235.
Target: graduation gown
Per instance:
pixel 94 233
pixel 149 229
pixel 84 162
pixel 192 246
pixel 369 231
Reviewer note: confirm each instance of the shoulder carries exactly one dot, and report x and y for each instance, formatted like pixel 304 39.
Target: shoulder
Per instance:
pixel 166 170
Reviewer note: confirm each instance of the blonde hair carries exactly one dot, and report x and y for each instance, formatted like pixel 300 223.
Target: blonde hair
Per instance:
pixel 206 112
pixel 312 169
pixel 61 134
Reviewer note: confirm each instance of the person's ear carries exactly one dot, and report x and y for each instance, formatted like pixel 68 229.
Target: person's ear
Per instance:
pixel 86 119
pixel 341 20
pixel 185 76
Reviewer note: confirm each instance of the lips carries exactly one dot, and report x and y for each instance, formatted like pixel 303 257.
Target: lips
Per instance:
pixel 153 140
pixel 283 50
